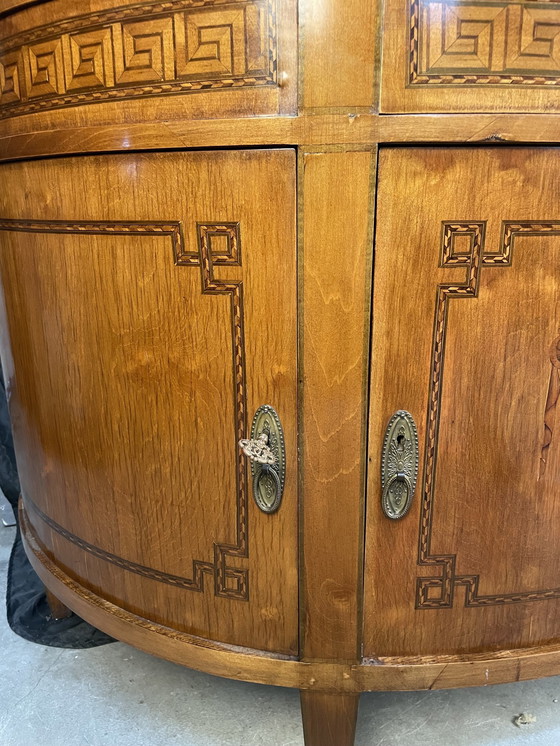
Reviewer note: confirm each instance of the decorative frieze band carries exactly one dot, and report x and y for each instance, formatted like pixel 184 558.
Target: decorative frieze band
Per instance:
pixel 480 42
pixel 162 48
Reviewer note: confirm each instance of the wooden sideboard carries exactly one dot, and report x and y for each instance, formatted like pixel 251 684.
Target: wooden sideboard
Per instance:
pixel 350 213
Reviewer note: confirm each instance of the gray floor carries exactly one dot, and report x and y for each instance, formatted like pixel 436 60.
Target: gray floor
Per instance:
pixel 118 696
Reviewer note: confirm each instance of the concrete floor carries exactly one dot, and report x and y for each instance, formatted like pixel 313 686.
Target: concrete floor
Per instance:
pixel 118 696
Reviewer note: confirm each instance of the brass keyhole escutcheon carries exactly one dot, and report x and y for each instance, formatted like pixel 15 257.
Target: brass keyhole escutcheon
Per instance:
pixel 399 465
pixel 266 451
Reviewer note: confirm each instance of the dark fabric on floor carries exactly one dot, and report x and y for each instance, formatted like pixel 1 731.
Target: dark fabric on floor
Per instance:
pixel 26 604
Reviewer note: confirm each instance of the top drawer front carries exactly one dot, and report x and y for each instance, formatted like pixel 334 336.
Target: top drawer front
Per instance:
pixel 226 53
pixel 471 56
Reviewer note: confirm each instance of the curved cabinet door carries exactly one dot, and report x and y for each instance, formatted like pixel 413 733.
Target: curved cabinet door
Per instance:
pixel 466 338
pixel 149 310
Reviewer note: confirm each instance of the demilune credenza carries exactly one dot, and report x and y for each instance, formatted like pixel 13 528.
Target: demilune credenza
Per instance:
pixel 329 230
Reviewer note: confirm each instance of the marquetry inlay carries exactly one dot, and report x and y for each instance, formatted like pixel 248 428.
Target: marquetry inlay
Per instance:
pixel 484 43
pixel 179 46
pixel 219 244
pixel 463 246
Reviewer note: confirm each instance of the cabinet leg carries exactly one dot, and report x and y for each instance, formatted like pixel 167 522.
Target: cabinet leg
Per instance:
pixel 58 609
pixel 329 719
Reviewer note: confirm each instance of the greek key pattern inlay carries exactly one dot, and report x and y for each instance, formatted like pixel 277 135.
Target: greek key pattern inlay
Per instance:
pixel 462 246
pixel 229 582
pixel 479 42
pixel 179 46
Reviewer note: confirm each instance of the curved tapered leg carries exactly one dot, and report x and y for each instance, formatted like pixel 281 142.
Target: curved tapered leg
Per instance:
pixel 329 719
pixel 57 608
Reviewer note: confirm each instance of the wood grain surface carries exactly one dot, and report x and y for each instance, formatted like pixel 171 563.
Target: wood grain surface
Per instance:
pixel 338 50
pixel 465 338
pixel 150 308
pixel 340 131
pixel 334 335
pixel 416 672
pixel 204 245
pixel 11 6
pixel 329 719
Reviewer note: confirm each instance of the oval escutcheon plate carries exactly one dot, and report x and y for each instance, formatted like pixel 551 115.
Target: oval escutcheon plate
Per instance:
pixel 266 451
pixel 399 465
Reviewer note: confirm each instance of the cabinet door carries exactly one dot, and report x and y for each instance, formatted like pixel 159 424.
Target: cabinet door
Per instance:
pixel 466 338
pixel 150 309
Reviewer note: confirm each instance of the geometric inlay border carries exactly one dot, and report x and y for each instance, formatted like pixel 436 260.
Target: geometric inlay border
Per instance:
pixel 229 582
pixel 437 591
pixel 157 48
pixel 480 42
